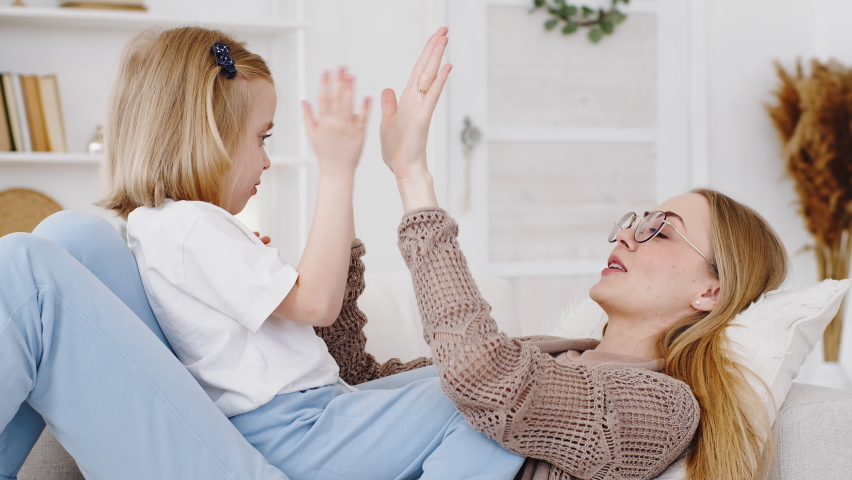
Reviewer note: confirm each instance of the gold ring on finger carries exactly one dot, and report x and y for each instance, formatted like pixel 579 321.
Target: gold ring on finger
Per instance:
pixel 422 90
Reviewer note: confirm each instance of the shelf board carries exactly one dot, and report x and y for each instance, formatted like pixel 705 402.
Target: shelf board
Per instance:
pixel 94 159
pixel 119 20
pixel 50 157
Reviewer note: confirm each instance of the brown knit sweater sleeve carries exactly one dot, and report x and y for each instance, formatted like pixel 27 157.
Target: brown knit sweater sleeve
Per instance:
pixel 611 421
pixel 345 337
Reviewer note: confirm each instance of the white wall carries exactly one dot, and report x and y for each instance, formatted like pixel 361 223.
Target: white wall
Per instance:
pixel 379 40
pixel 743 39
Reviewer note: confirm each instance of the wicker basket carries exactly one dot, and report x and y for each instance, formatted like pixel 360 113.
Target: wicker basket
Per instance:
pixel 22 209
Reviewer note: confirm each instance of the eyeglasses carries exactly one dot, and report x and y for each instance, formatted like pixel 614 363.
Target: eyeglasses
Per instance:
pixel 649 227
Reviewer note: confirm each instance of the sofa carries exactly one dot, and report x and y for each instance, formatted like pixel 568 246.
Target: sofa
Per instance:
pixel 814 427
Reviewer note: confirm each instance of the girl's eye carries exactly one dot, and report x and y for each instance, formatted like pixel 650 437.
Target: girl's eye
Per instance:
pixel 264 137
pixel 661 235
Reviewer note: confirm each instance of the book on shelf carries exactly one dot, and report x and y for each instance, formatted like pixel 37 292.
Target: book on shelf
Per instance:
pixel 131 5
pixel 34 113
pixel 6 144
pixel 26 141
pixel 13 114
pixel 35 117
pixel 51 109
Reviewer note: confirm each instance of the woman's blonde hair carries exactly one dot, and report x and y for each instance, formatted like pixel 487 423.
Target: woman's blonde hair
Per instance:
pixel 174 119
pixel 734 438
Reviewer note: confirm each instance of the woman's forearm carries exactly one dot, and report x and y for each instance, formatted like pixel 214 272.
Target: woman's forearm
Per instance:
pixel 417 190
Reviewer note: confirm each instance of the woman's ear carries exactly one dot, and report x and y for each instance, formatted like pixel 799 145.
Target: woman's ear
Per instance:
pixel 706 301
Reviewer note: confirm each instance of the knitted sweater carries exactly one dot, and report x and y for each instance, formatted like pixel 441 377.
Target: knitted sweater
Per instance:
pixel 605 421
pixel 345 337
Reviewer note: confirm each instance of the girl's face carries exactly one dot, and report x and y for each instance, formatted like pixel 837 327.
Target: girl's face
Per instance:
pixel 251 159
pixel 661 280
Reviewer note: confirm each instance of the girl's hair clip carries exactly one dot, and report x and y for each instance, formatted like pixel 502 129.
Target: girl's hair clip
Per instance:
pixel 223 59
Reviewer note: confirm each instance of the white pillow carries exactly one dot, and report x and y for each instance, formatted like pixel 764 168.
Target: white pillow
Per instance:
pixel 772 337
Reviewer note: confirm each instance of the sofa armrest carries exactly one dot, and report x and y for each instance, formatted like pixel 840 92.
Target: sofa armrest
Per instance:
pixel 814 434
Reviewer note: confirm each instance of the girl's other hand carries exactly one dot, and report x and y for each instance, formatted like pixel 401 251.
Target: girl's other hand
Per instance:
pixel 263 239
pixel 338 134
pixel 405 125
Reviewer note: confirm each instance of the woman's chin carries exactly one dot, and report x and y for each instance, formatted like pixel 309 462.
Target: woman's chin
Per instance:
pixel 597 292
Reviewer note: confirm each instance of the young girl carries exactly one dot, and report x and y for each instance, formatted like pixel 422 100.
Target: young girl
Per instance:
pixel 185 152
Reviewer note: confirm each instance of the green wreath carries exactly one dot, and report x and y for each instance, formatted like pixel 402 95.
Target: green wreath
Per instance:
pixel 600 22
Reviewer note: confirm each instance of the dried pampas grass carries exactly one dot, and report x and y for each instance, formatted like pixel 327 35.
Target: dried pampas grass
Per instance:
pixel 813 118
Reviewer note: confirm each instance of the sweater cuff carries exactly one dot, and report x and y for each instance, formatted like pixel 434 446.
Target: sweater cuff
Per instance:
pixel 424 216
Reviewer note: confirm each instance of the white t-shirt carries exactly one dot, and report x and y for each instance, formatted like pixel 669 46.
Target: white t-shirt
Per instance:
pixel 212 285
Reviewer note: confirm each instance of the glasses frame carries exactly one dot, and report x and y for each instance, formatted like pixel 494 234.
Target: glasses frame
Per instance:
pixel 632 217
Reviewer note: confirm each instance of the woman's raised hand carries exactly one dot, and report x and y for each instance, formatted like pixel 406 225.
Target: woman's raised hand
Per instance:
pixel 338 134
pixel 405 125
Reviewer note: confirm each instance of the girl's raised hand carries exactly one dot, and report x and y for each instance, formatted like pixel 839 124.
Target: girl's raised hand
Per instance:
pixel 337 135
pixel 405 125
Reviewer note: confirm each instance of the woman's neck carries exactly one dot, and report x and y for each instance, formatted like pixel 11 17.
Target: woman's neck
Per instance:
pixel 630 337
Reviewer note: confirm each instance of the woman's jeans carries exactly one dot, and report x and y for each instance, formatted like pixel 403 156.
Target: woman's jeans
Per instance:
pixel 81 351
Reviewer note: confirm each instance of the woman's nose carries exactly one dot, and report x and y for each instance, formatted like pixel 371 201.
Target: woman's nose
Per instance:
pixel 626 238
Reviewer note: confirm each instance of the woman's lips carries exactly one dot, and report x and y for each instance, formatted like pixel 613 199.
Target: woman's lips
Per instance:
pixel 614 265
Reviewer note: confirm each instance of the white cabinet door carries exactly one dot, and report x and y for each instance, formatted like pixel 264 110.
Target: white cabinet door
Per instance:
pixel 573 135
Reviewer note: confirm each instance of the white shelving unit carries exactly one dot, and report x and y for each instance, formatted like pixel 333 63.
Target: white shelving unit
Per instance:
pixel 82 46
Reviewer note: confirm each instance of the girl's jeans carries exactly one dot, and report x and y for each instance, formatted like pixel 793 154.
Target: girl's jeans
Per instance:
pixel 81 351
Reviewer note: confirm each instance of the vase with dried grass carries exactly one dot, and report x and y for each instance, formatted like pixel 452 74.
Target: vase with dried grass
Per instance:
pixel 813 117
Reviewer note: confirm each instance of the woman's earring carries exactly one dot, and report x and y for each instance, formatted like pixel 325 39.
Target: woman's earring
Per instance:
pixel 698 303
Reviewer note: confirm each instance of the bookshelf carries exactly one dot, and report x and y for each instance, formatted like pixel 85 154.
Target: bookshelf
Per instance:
pixel 95 159
pixel 82 47
pixel 52 17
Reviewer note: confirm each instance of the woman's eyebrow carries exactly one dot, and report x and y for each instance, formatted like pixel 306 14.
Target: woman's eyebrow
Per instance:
pixel 269 126
pixel 673 214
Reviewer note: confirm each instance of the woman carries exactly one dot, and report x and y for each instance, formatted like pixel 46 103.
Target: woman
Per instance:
pixel 675 278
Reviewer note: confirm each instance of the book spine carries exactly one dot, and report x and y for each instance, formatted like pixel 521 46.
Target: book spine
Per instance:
pixel 12 110
pixel 35 119
pixel 52 113
pixel 63 133
pixel 120 3
pixel 5 133
pixel 26 141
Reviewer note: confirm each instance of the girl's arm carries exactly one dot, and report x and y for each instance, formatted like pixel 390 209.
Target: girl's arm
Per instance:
pixel 337 137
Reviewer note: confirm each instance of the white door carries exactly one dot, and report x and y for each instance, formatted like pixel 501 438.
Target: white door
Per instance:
pixel 573 135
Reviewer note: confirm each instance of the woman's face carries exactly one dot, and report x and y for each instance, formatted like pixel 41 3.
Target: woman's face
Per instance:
pixel 662 279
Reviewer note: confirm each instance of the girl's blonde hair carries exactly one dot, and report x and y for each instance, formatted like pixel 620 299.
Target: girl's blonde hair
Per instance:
pixel 174 119
pixel 734 438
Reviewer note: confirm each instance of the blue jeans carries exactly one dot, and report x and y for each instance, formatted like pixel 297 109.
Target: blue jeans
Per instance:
pixel 82 352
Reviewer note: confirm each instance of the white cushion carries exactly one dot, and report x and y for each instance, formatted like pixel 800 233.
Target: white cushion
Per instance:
pixel 772 337
pixel 394 328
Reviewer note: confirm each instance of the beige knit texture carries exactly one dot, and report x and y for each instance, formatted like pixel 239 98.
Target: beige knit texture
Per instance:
pixel 345 337
pixel 612 421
